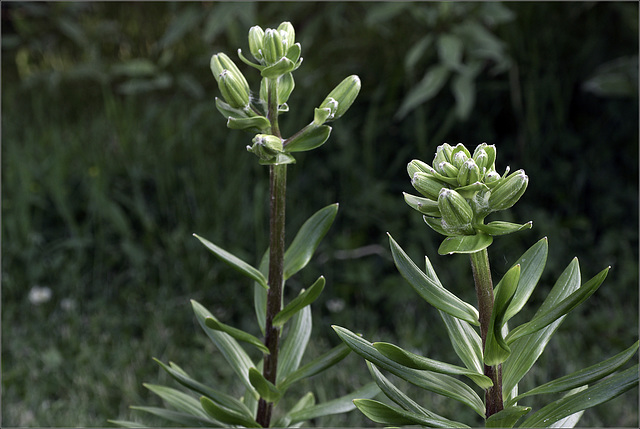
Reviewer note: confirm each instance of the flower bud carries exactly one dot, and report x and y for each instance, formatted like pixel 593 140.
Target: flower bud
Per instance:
pixel 488 150
pixel 459 158
pixel 273 48
pixel 220 62
pixel 256 36
pixel 427 185
pixel 288 35
pixel 341 98
pixel 415 166
pixel 447 169
pixel 469 173
pixel 233 90
pixel 266 146
pixel 443 153
pixel 508 191
pixel 456 213
pixel 491 177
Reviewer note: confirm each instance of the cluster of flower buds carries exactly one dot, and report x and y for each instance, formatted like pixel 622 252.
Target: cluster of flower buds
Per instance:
pixel 277 55
pixel 459 190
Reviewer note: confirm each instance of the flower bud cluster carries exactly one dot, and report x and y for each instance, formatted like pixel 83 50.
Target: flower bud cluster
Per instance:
pixel 460 189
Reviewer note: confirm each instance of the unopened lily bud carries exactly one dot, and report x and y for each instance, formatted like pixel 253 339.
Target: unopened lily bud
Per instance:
pixel 469 173
pixel 427 185
pixel 288 34
pixel 415 166
pixel 273 48
pixel 344 95
pixel 488 150
pixel 443 153
pixel 481 158
pixel 459 158
pixel 491 177
pixel 220 62
pixel 447 169
pixel 266 146
pixel 509 191
pixel 456 212
pixel 233 90
pixel 256 36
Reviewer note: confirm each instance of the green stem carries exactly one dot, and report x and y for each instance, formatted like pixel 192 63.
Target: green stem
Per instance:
pixel 484 290
pixel 278 187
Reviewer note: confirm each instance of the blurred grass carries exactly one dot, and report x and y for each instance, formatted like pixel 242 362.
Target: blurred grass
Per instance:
pixel 105 176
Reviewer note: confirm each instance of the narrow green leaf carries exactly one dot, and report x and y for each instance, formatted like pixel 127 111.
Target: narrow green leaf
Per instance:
pixel 532 264
pixel 178 400
pixel 412 360
pixel 438 383
pixel 255 123
pixel 433 80
pixel 465 244
pixel 307 240
pixel 294 344
pixel 260 293
pixel 496 349
pixel 431 292
pixel 590 397
pixel 391 416
pixel 266 389
pixel 463 87
pixel 230 349
pixel 227 417
pixel 236 333
pixel 235 262
pixel 506 418
pixel 316 366
pixel 502 228
pixel 450 49
pixel 179 417
pixel 562 308
pixel 305 402
pixel 465 340
pixel 584 376
pixel 526 350
pixel 305 298
pixel 223 399
pixel 339 405
pixel 313 137
pixel 127 424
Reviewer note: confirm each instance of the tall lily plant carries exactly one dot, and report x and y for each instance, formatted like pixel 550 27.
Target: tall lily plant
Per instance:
pixel 457 192
pixel 277 55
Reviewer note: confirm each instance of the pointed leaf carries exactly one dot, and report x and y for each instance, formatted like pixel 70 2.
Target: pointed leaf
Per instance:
pixel 584 376
pixel 236 333
pixel 532 264
pixel 506 418
pixel 431 292
pixel 438 383
pixel 526 350
pixel 412 360
pixel 465 340
pixel 179 417
pixel 590 397
pixel 230 349
pixel 223 399
pixel 391 416
pixel 267 390
pixel 254 124
pixel 496 349
pixel 562 308
pixel 127 424
pixel 260 293
pixel 316 366
pixel 294 344
pixel 340 405
pixel 433 80
pixel 310 138
pixel 235 262
pixel 227 417
pixel 305 298
pixel 306 401
pixel 465 244
pixel 307 240
pixel 178 400
pixel 502 228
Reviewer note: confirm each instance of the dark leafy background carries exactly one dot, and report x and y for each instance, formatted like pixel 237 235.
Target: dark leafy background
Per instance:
pixel 113 154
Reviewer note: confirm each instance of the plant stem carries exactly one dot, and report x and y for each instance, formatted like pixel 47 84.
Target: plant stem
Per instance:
pixel 277 187
pixel 484 290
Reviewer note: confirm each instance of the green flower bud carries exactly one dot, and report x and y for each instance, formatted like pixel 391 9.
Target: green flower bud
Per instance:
pixel 233 90
pixel 256 36
pixel 456 213
pixel 508 191
pixel 269 149
pixel 273 47
pixel 288 35
pixel 481 158
pixel 469 173
pixel 416 165
pixel 339 99
pixel 459 158
pixel 447 169
pixel 427 185
pixel 491 178
pixel 220 62
pixel 490 151
pixel 443 153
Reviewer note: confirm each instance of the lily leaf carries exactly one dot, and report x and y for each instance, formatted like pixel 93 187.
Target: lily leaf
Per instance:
pixel 267 390
pixel 502 228
pixel 305 402
pixel 431 292
pixel 307 240
pixel 235 262
pixel 507 418
pixel 179 417
pixel 392 416
pixel 547 317
pixel 294 344
pixel 439 383
pixel 465 244
pixel 587 398
pixel 316 366
pixel 305 298
pixel 179 400
pixel 412 360
pixel 311 138
pixel 496 349
pixel 225 416
pixel 236 333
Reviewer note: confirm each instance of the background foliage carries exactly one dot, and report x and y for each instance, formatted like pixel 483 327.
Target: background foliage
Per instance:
pixel 113 154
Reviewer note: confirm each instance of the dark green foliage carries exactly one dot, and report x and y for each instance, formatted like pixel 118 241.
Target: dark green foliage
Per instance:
pixel 113 152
